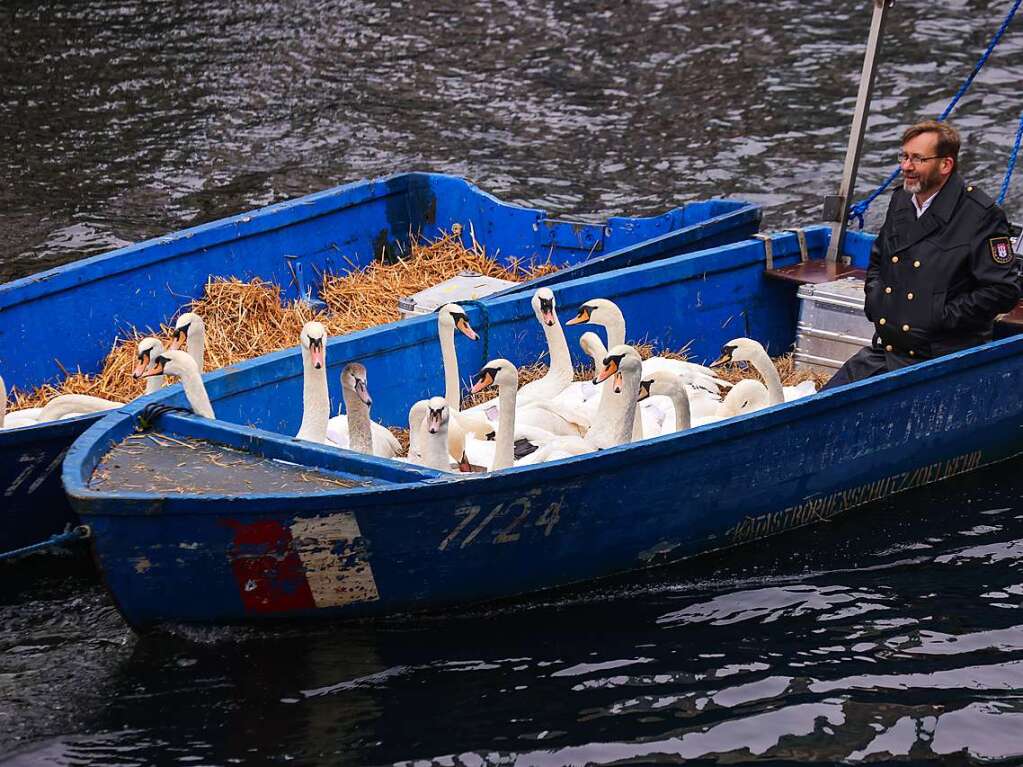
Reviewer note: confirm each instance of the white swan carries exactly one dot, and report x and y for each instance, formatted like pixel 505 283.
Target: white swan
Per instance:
pixel 746 396
pixel 190 330
pixel 452 317
pixel 559 372
pixel 665 383
pixel 433 440
pixel 149 349
pixel 16 419
pixel 601 311
pixel 178 363
pixel 419 436
pixel 71 405
pixel 748 350
pixel 614 423
pixel 315 397
pixel 355 430
pixel 505 376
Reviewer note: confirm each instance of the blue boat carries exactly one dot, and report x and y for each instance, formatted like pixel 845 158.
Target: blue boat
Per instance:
pixel 69 317
pixel 330 533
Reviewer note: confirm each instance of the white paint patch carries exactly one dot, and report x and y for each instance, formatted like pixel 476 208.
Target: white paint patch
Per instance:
pixel 334 566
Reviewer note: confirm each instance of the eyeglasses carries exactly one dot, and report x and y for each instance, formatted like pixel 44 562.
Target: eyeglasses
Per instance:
pixel 915 159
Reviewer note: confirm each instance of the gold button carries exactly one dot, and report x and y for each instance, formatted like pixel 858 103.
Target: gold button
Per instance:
pixel 912 353
pixel 905 328
pixel 969 189
pixel 916 264
pixel 888 290
pixel 909 296
pixel 888 348
pixel 895 259
pixel 882 321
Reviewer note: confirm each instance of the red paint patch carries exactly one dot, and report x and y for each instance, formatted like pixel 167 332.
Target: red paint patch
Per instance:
pixel 268 572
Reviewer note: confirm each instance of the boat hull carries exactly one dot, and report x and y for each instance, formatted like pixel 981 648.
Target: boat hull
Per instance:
pixel 417 543
pixel 76 312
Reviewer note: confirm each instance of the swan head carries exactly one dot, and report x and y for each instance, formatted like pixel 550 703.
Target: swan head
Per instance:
pixel 498 372
pixel 658 382
pixel 543 306
pixel 172 362
pixel 620 360
pixel 437 415
pixel 353 378
pixel 739 350
pixel 452 316
pixel 148 350
pixel 593 346
pixel 599 311
pixel 313 338
pixel 188 325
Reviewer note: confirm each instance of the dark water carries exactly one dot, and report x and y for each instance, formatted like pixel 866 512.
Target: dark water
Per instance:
pixel 895 632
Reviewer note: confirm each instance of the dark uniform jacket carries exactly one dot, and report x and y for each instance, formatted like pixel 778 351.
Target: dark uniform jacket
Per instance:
pixel 935 284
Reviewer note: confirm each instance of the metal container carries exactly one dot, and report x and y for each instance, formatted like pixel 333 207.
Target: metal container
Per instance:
pixel 832 326
pixel 464 286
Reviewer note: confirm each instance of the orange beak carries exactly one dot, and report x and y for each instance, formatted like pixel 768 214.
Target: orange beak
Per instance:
pixel 467 331
pixel 581 317
pixel 607 372
pixel 482 384
pixel 140 369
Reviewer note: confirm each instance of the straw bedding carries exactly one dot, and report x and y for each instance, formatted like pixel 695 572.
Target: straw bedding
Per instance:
pixel 247 319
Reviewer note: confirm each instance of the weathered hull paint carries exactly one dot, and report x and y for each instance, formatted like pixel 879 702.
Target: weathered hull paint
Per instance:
pixel 76 311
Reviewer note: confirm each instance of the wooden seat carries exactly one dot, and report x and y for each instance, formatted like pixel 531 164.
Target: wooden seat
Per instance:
pixel 814 272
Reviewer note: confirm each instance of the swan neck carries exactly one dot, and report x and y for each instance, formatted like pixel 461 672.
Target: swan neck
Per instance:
pixel 3 402
pixel 765 366
pixel 196 394
pixel 452 390
pixel 154 384
pixel 315 401
pixel 360 435
pixel 504 451
pixel 683 413
pixel 197 347
pixel 615 330
pixel 434 449
pixel 561 360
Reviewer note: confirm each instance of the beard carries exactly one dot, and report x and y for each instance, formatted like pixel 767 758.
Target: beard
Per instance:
pixel 923 183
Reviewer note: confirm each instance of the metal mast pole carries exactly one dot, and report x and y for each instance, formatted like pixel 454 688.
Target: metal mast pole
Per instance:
pixel 836 207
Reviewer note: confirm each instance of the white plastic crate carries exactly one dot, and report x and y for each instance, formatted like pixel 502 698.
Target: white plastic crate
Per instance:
pixel 465 286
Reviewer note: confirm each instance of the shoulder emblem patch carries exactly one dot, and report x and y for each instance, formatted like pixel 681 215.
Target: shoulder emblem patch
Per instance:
pixel 1001 250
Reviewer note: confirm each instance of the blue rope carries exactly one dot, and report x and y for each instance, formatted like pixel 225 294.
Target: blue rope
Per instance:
pixel 857 211
pixel 1012 162
pixel 79 533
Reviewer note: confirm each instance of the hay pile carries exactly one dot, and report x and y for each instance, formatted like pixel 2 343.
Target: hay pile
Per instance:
pixel 362 299
pixel 247 319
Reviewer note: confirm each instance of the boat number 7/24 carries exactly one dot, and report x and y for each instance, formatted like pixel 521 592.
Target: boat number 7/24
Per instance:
pixel 473 522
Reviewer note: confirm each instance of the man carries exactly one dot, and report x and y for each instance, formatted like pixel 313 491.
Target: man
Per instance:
pixel 942 267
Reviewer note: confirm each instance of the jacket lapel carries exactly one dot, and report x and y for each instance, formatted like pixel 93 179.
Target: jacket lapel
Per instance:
pixel 909 229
